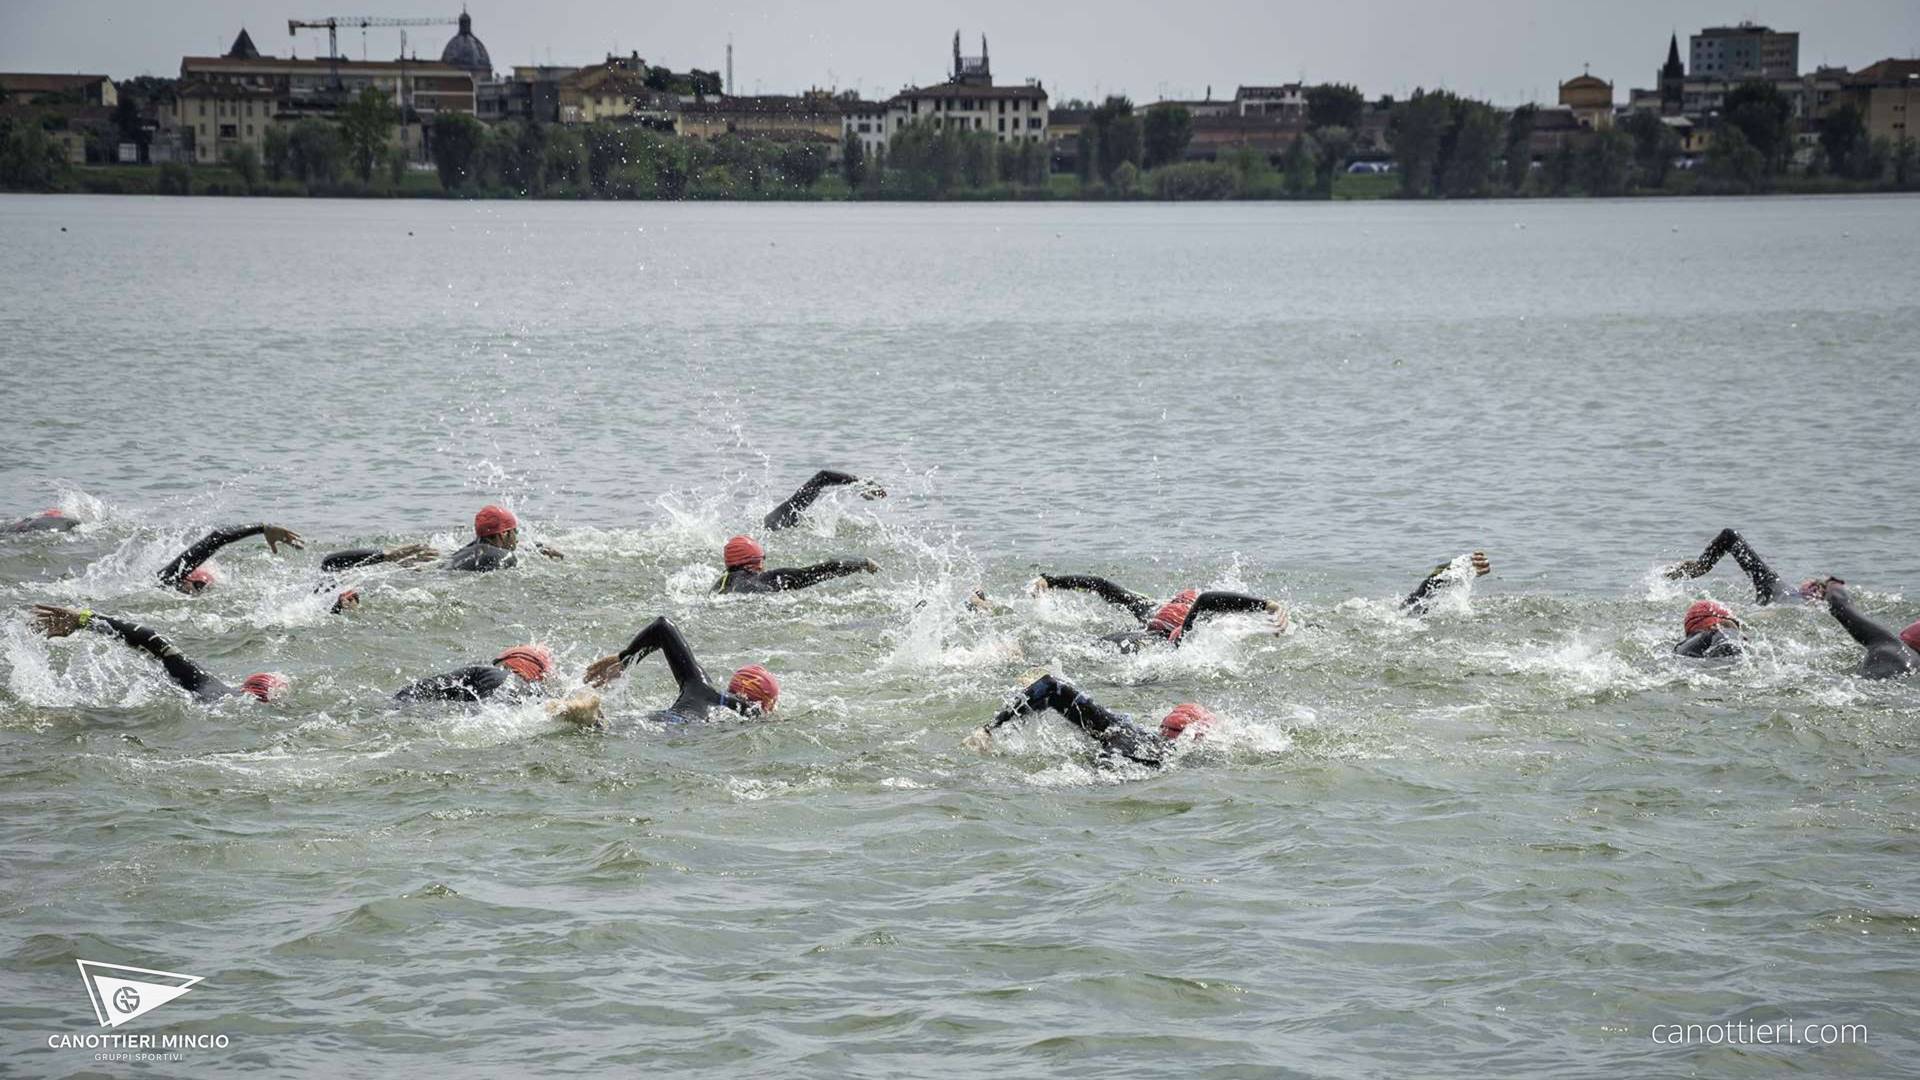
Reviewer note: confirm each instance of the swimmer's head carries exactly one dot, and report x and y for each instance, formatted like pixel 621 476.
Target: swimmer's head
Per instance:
pixel 348 600
pixel 1911 635
pixel 1706 615
pixel 53 512
pixel 530 662
pixel 1172 615
pixel 198 581
pixel 1187 717
pixel 744 553
pixel 265 685
pixel 756 684
pixel 497 526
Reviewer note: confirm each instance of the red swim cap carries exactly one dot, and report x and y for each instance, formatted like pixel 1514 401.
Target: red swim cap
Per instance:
pixel 1707 614
pixel 743 553
pixel 1173 615
pixel 756 684
pixel 348 598
pixel 530 662
pixel 1187 717
pixel 201 576
pixel 492 520
pixel 265 685
pixel 55 512
pixel 1911 635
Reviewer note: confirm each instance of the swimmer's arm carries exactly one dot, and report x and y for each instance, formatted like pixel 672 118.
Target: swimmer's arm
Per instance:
pixel 659 635
pixel 188 675
pixel 1440 576
pixel 1222 603
pixel 189 560
pixel 1863 629
pixel 787 514
pixel 1142 607
pixel 355 557
pixel 1047 692
pixel 1766 583
pixel 803 576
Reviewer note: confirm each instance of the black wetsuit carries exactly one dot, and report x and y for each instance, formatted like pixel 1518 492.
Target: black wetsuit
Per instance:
pixel 1887 656
pixel 787 514
pixel 1714 644
pixel 1422 596
pixel 480 556
pixel 697 695
pixel 203 549
pixel 767 581
pixel 1143 608
pixel 1767 586
pixel 186 674
pixel 477 682
pixel 41 523
pixel 1119 738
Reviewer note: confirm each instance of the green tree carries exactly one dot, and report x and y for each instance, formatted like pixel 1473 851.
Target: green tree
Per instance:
pixel 1905 158
pixel 1517 155
pixel 1416 128
pixel 853 161
pixel 1733 162
pixel 1195 180
pixel 1467 153
pixel 457 139
pixel 1336 145
pixel 1604 162
pixel 276 151
pixel 174 178
pixel 1086 155
pixel 1761 114
pixel 1118 135
pixel 1843 136
pixel 803 163
pixel 314 151
pixel 1559 169
pixel 245 163
pixel 396 166
pixel 365 125
pixel 1335 105
pixel 566 158
pixel 29 160
pixel 1297 165
pixel 1168 130
pixel 1654 146
pixel 1126 181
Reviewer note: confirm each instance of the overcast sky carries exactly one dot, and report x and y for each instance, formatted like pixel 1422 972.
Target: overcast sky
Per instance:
pixel 1506 50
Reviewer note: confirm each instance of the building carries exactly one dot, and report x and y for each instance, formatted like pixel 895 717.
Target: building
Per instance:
pixel 970 101
pixel 1590 99
pixel 1205 107
pixel 605 91
pixel 1287 102
pixel 210 118
pixel 1888 97
pixel 813 116
pixel 531 94
pixel 465 51
pixel 866 121
pixel 1671 78
pixel 1746 51
pixel 23 88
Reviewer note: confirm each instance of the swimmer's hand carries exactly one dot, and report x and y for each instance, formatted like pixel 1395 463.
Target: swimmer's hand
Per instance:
pixel 1037 586
pixel 1689 569
pixel 1816 588
pixel 551 553
pixel 581 707
pixel 1279 616
pixel 56 621
pixel 870 489
pixel 277 535
pixel 605 670
pixel 1481 567
pixel 977 600
pixel 979 741
pixel 409 554
pixel 871 567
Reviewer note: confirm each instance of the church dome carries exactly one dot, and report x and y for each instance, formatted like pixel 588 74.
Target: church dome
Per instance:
pixel 465 50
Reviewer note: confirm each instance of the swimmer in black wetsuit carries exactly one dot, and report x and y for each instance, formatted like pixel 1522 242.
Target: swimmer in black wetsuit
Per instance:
pixel 512 673
pixel 1160 623
pixel 187 571
pixel 496 535
pixel 746 570
pixel 788 513
pixel 54 520
pixel 1767 586
pixel 1889 655
pixel 1421 598
pixel 1120 738
pixel 752 691
pixel 57 622
pixel 1712 632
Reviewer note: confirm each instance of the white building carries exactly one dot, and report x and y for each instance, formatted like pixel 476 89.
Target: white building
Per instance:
pixel 970 101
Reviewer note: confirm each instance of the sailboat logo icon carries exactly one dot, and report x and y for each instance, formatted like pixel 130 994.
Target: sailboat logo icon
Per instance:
pixel 118 996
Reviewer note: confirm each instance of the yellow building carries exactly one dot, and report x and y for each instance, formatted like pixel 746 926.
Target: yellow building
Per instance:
pixel 1591 100
pixel 813 115
pixel 210 118
pixel 1888 97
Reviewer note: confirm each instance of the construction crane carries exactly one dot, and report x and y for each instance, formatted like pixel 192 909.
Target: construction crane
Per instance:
pixel 332 24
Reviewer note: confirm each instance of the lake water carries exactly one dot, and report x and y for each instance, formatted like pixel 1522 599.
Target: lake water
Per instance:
pixel 1508 837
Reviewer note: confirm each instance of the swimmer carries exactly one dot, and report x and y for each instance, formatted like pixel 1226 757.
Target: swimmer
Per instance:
pixel 1120 738
pixel 1421 598
pixel 752 691
pixel 746 570
pixel 58 622
pixel 788 514
pixel 1889 655
pixel 54 520
pixel 1767 586
pixel 1712 632
pixel 188 571
pixel 1166 623
pixel 496 535
pixel 512 674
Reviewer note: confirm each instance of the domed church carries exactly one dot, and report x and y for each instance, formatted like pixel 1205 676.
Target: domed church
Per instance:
pixel 466 51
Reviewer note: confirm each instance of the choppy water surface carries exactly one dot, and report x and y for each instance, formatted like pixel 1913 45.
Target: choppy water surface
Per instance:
pixel 1508 837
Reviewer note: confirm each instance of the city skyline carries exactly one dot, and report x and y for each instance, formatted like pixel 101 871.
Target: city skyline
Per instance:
pixel 1499 50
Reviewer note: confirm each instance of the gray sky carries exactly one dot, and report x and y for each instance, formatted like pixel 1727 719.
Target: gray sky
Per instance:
pixel 1506 50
